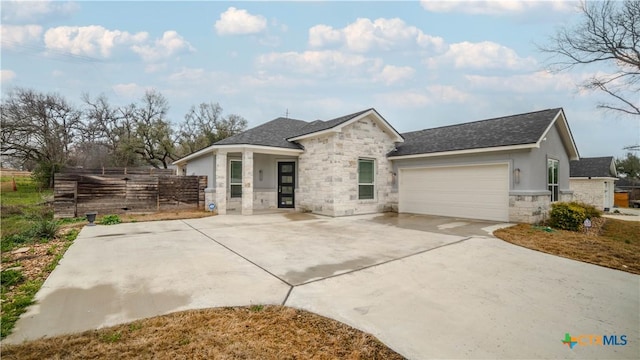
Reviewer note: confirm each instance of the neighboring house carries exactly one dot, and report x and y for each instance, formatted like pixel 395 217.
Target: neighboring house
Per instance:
pixel 592 181
pixel 505 169
pixel 631 187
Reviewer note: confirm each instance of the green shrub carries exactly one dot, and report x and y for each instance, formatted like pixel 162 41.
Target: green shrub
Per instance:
pixel 44 229
pixel 590 211
pixel 567 216
pixel 11 241
pixel 11 277
pixel 110 220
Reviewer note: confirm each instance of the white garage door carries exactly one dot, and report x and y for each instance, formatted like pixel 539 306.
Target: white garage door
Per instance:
pixel 475 192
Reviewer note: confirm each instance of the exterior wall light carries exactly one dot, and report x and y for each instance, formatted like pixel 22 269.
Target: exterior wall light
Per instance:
pixel 516 176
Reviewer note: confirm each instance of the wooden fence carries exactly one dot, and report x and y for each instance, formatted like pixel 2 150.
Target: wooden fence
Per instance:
pixel 14 173
pixel 77 194
pixel 119 171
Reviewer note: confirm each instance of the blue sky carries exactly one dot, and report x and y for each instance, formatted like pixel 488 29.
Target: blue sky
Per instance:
pixel 421 64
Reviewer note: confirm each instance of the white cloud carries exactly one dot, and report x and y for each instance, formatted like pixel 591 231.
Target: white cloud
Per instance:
pixel 130 90
pixel 7 76
pixel 391 74
pixel 537 82
pixel 17 35
pixel 447 94
pixel 417 98
pixel 238 22
pixel 482 55
pixel 365 35
pixel 170 44
pixel 496 7
pixel 33 11
pixel 93 40
pixel 319 63
pixel 324 35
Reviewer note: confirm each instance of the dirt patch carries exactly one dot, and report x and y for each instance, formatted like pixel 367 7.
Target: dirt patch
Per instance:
pixel 255 332
pixel 611 243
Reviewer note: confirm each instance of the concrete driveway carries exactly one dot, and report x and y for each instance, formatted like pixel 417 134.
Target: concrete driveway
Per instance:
pixel 428 287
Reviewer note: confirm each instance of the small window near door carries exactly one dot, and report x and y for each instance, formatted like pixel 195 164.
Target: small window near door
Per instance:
pixel 365 179
pixel 236 178
pixel 552 174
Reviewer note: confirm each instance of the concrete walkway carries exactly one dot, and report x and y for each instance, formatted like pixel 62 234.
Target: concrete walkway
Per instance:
pixel 443 293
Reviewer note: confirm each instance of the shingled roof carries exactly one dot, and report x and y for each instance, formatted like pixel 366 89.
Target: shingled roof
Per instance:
pixel 592 167
pixel 511 130
pixel 273 133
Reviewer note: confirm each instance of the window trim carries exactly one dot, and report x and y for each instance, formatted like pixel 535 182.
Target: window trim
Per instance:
pixel 553 187
pixel 231 183
pixel 373 179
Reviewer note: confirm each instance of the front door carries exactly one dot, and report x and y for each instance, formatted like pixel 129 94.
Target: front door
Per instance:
pixel 286 184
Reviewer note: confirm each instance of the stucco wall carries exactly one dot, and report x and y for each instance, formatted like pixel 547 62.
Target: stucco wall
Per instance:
pixel 551 148
pixel 203 165
pixel 329 170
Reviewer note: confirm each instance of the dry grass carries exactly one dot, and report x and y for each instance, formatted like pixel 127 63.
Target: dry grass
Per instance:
pixel 616 245
pixel 166 215
pixel 256 332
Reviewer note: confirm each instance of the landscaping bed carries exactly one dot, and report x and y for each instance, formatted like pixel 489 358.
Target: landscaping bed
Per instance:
pixel 611 243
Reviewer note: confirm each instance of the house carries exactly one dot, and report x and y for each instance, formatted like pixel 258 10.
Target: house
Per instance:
pixel 505 169
pixel 592 181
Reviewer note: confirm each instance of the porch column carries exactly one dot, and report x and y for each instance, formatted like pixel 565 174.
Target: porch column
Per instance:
pixel 221 182
pixel 247 182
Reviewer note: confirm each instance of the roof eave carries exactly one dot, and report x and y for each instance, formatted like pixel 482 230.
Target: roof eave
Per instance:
pixel 194 155
pixel 565 134
pixel 464 152
pixel 263 149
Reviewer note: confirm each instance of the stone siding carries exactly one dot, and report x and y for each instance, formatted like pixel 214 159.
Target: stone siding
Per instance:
pixel 264 199
pixel 588 191
pixel 530 209
pixel 533 208
pixel 329 170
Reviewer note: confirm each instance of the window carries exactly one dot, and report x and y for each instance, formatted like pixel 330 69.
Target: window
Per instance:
pixel 552 174
pixel 236 178
pixel 365 179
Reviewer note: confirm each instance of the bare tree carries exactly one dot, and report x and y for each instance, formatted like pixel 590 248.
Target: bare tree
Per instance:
pixel 608 33
pixel 108 133
pixel 151 134
pixel 204 125
pixel 39 128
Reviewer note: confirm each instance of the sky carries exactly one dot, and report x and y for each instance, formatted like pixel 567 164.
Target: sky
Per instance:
pixel 420 64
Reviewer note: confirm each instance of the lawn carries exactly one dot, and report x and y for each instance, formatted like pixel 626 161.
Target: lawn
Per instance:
pixel 254 332
pixel 31 243
pixel 616 245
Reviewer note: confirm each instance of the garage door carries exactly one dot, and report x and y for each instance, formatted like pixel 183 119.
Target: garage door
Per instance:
pixel 475 192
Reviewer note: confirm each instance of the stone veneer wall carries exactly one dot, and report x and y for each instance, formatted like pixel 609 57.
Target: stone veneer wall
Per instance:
pixel 533 208
pixel 264 199
pixel 328 170
pixel 529 208
pixel 588 191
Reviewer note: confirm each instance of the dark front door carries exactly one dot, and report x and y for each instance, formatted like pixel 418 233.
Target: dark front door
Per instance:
pixel 286 184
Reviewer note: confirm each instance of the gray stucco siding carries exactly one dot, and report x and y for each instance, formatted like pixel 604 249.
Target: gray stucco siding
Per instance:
pixel 551 148
pixel 203 165
pixel 531 162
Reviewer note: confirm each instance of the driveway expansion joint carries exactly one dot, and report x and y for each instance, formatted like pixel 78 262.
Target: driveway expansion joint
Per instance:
pixel 240 255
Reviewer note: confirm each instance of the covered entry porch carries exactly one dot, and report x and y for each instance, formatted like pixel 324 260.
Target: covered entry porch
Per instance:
pixel 253 178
